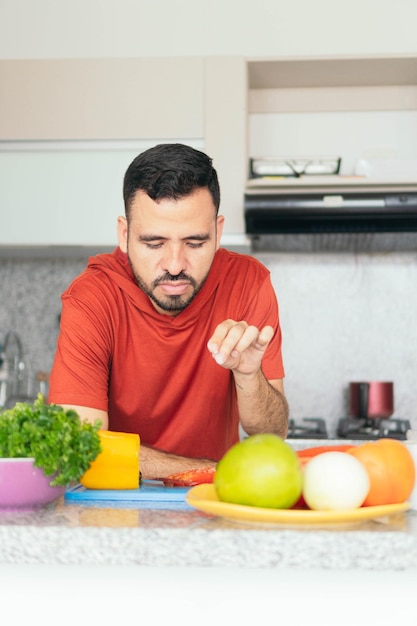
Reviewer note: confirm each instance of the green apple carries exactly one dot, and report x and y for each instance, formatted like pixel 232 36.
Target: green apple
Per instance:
pixel 261 470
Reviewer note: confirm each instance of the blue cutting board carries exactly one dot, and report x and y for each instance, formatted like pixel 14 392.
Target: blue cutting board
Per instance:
pixel 150 494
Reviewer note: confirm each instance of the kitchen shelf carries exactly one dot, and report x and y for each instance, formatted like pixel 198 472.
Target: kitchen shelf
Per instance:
pixel 336 84
pixel 334 72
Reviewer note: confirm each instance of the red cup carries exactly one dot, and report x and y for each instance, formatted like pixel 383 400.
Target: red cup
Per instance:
pixel 372 400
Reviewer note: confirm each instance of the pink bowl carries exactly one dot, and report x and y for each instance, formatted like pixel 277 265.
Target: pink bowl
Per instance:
pixel 24 486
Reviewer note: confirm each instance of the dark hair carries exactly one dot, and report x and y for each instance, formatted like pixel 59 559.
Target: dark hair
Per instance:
pixel 170 171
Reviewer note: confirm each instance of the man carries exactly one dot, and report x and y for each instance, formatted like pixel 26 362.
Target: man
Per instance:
pixel 171 336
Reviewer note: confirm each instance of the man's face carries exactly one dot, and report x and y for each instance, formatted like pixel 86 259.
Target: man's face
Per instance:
pixel 171 245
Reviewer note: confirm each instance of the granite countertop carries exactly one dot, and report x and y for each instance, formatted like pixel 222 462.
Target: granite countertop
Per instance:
pixel 69 532
pixel 115 534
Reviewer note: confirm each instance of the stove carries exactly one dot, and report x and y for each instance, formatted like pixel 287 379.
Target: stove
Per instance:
pixel 349 428
pixel 353 428
pixel 309 428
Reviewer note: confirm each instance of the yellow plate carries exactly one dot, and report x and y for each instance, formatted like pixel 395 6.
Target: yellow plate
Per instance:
pixel 204 498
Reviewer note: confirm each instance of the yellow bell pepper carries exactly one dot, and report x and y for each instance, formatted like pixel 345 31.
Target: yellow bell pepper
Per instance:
pixel 117 465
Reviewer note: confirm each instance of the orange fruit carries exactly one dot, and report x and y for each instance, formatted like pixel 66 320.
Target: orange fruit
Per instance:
pixel 391 470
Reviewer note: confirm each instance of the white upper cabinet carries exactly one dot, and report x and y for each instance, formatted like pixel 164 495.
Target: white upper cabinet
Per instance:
pixel 79 99
pixel 70 128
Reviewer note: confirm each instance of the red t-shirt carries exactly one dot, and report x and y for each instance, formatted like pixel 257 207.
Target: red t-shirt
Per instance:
pixel 153 373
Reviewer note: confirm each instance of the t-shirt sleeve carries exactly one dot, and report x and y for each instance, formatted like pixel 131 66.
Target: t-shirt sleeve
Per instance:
pixel 80 371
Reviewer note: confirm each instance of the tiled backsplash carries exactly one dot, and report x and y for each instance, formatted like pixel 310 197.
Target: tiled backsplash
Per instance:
pixel 344 317
pixel 30 304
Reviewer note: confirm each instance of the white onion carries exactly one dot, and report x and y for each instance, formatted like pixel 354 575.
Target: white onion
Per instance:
pixel 335 481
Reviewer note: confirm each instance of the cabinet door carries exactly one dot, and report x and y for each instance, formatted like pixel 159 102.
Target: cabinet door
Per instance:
pixel 70 128
pixel 101 99
pixel 66 197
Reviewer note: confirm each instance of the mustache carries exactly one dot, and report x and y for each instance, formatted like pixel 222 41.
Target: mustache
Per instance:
pixel 167 277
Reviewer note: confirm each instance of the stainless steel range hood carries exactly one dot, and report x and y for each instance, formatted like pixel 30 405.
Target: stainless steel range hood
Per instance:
pixel 331 213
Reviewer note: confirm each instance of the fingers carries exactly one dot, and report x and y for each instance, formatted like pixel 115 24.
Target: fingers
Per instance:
pixel 231 339
pixel 265 336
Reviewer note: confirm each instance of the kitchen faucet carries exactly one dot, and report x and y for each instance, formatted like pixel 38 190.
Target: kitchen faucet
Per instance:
pixel 15 364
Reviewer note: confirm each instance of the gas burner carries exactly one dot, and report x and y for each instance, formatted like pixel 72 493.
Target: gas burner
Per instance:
pixel 351 428
pixel 310 428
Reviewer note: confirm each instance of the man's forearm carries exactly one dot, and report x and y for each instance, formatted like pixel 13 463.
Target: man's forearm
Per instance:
pixel 156 464
pixel 262 408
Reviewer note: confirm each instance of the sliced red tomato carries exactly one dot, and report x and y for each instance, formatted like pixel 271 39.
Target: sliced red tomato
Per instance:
pixel 189 478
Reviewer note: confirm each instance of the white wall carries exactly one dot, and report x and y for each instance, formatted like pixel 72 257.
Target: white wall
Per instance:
pixel 123 28
pixel 374 136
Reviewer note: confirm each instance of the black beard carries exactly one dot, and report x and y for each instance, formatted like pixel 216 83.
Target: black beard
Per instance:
pixel 172 304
